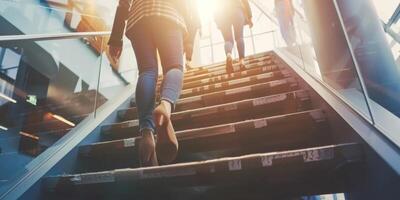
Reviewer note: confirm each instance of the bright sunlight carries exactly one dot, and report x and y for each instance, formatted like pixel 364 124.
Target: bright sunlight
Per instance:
pixel 206 10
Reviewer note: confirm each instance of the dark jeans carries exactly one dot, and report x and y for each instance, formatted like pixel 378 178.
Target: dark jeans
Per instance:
pixel 148 36
pixel 235 20
pixel 189 43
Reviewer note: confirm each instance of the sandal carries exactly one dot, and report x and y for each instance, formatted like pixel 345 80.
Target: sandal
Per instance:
pixel 167 143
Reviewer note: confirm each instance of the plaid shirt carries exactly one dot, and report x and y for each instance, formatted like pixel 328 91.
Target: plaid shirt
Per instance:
pixel 132 11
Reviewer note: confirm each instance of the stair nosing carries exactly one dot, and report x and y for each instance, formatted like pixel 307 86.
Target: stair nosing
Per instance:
pixel 215 106
pixel 181 132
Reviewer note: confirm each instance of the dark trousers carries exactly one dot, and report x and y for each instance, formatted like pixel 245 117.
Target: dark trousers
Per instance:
pixel 150 35
pixel 189 42
pixel 232 30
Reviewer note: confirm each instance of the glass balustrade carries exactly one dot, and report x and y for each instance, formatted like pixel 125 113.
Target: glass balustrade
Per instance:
pixel 377 61
pixel 343 45
pixel 52 78
pixel 46 89
pixel 47 17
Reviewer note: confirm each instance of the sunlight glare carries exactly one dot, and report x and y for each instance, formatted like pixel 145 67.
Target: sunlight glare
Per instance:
pixel 206 10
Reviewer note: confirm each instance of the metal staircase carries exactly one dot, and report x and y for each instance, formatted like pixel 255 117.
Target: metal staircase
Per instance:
pixel 253 134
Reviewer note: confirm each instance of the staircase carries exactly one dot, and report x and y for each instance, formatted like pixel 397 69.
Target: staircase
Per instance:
pixel 253 134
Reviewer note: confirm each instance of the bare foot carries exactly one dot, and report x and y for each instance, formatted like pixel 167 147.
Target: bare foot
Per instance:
pixel 162 113
pixel 167 143
pixel 229 64
pixel 242 64
pixel 146 149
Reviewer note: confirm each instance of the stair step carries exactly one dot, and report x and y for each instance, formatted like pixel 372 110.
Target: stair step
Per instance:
pixel 221 68
pixel 261 78
pixel 131 113
pixel 253 69
pixel 295 130
pixel 313 170
pixel 231 95
pixel 270 65
pixel 228 77
pixel 255 74
pixel 224 113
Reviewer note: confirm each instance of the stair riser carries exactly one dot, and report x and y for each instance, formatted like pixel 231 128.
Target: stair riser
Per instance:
pixel 222 68
pixel 247 92
pixel 256 66
pixel 297 184
pixel 231 84
pixel 271 134
pixel 250 109
pixel 297 169
pixel 228 77
pixel 131 113
pixel 238 94
pixel 234 113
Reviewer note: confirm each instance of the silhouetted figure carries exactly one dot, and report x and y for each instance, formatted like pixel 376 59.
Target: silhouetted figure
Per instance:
pixel 193 26
pixel 151 26
pixel 233 14
pixel 285 14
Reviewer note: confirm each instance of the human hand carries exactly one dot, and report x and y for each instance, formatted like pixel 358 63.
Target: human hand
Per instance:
pixel 250 23
pixel 115 53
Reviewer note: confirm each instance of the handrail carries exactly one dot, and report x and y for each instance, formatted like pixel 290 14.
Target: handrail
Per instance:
pixel 393 34
pixel 271 18
pixel 52 36
pixel 395 17
pixel 59 36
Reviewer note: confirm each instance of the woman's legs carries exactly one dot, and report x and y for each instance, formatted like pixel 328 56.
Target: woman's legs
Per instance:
pixel 146 57
pixel 189 44
pixel 238 26
pixel 170 47
pixel 169 43
pixel 227 33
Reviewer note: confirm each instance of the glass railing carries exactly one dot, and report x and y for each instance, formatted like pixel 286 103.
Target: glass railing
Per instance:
pixel 342 44
pixel 49 16
pixel 48 87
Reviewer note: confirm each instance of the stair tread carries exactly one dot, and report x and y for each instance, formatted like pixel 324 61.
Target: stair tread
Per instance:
pixel 224 113
pixel 130 114
pixel 324 162
pixel 235 83
pixel 226 77
pixel 236 94
pixel 277 132
pixel 221 67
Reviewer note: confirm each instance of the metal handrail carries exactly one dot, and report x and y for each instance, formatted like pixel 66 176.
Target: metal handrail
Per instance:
pixel 59 36
pixel 392 33
pixel 52 36
pixel 395 17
